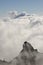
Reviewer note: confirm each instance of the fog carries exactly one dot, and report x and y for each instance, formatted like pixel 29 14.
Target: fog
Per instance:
pixel 17 28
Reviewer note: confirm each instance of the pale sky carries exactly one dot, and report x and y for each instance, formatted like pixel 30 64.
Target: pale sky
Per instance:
pixel 31 6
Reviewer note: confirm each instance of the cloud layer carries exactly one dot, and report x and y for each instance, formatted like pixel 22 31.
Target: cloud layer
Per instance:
pixel 17 28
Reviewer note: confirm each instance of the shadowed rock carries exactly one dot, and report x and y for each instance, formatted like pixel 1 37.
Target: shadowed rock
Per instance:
pixel 27 56
pixel 28 46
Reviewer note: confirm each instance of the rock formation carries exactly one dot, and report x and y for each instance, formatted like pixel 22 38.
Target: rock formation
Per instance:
pixel 27 56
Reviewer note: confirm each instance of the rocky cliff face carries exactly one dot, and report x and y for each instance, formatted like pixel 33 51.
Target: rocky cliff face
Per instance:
pixel 27 56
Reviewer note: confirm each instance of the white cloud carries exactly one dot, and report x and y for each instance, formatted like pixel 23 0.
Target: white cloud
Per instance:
pixel 14 31
pixel 13 14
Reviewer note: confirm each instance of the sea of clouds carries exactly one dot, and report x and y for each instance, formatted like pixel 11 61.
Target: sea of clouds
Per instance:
pixel 17 28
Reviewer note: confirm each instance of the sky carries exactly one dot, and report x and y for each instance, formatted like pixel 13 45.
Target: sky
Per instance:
pixel 18 27
pixel 31 6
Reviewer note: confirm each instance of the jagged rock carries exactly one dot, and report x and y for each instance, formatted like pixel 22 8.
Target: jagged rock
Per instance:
pixel 27 56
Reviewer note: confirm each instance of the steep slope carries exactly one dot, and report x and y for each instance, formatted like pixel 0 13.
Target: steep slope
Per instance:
pixel 28 56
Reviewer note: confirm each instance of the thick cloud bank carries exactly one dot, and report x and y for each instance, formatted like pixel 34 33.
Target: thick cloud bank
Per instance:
pixel 15 29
